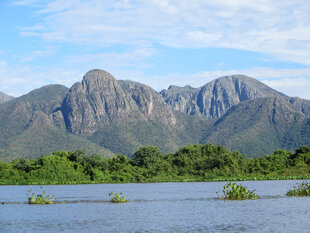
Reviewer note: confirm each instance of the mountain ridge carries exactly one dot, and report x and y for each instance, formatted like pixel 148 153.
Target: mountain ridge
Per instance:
pixel 109 115
pixel 213 99
pixel 4 97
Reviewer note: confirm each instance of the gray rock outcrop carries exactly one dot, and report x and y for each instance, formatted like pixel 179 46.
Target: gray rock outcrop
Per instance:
pixel 216 97
pixel 100 100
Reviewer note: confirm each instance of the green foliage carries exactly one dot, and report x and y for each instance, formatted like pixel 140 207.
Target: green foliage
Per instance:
pixel 302 189
pixel 278 161
pixel 25 165
pixel 117 198
pixel 301 155
pixel 40 199
pixel 193 162
pixel 233 191
pixel 146 156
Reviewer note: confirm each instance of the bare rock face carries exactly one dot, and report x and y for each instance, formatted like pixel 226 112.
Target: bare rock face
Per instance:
pixel 95 101
pixel 301 105
pixel 181 98
pixel 100 100
pixel 58 119
pixel 215 98
pixel 40 120
pixel 150 103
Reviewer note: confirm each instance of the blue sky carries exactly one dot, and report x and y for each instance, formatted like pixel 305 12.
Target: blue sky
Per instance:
pixel 155 42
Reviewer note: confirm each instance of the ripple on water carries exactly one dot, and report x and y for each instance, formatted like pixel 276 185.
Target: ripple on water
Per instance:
pixel 175 207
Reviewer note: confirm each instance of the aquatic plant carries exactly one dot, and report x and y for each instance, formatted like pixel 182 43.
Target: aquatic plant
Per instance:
pixel 117 198
pixel 302 189
pixel 233 191
pixel 40 199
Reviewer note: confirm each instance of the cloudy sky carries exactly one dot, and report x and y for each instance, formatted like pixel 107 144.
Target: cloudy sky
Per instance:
pixel 155 42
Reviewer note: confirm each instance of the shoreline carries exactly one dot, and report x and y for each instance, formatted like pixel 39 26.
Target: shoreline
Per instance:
pixel 194 179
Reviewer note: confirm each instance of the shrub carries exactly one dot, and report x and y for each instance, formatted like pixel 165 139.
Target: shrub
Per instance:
pixel 117 198
pixel 232 191
pixel 40 198
pixel 302 189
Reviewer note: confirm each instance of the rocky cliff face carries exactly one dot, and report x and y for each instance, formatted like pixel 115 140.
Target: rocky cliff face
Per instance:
pixel 301 105
pixel 4 97
pixel 101 100
pixel 181 98
pixel 215 98
pixel 150 103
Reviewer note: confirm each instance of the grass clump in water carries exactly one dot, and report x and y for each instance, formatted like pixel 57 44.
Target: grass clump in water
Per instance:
pixel 302 189
pixel 40 199
pixel 117 198
pixel 232 191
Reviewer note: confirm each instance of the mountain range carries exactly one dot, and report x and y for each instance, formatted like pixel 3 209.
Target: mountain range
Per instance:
pixel 103 115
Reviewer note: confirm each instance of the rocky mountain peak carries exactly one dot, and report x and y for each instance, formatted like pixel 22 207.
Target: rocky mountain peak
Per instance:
pixel 98 77
pixel 216 97
pixel 100 100
pixel 96 101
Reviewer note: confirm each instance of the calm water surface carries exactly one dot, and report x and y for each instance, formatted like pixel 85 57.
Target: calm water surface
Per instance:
pixel 161 207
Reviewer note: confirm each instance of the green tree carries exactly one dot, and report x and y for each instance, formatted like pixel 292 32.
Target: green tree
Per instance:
pixel 301 155
pixel 146 156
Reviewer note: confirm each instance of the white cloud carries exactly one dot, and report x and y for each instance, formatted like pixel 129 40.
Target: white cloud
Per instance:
pixel 278 28
pixel 292 82
pixel 37 54
pixel 17 80
pixel 24 2
pixel 113 61
pixel 291 86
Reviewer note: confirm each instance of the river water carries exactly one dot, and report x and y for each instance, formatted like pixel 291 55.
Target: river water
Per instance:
pixel 155 207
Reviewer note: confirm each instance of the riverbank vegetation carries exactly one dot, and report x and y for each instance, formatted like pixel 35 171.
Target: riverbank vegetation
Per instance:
pixel 193 162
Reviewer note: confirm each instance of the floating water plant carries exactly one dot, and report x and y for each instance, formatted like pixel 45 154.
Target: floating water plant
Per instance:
pixel 302 189
pixel 40 199
pixel 117 198
pixel 233 191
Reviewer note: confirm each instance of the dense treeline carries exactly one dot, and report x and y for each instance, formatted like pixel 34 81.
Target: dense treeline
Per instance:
pixel 193 162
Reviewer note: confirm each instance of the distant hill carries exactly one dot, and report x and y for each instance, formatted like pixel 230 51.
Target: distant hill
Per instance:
pixel 104 115
pixel 259 126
